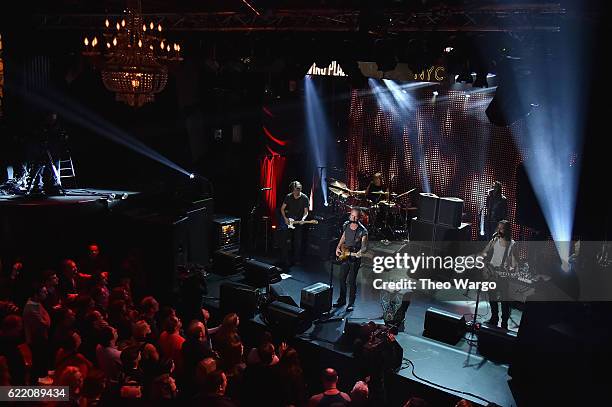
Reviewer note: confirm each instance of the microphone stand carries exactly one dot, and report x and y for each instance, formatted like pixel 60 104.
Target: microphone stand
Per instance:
pixel 252 214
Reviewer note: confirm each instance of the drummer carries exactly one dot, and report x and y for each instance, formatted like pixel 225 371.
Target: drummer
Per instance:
pixel 375 190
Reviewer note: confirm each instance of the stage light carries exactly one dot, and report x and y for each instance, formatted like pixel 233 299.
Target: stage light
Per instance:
pixel 435 93
pixel 464 77
pixel 191 176
pixel 448 49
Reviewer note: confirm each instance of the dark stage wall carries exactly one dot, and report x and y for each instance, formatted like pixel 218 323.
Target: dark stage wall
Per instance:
pixel 448 144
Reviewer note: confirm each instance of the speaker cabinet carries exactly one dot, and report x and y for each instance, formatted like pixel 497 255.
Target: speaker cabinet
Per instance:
pixel 444 326
pixel 238 298
pixel 453 241
pixel 495 343
pixel 422 231
pixel 450 211
pixel 428 207
pixel 316 298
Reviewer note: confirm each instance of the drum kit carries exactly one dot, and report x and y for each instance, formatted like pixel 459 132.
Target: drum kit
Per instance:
pixel 386 219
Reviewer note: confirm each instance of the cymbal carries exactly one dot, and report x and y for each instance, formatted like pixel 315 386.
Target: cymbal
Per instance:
pixel 339 188
pixel 334 183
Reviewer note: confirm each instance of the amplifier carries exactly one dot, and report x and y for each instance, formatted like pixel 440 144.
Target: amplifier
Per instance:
pixel 225 233
pixel 316 298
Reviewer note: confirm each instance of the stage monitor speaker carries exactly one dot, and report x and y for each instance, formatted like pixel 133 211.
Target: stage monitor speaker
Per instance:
pixel 428 207
pixel 227 263
pixel 286 319
pixel 239 298
pixel 278 293
pixel 260 274
pixel 443 326
pixel 316 298
pixel 496 344
pixel 450 212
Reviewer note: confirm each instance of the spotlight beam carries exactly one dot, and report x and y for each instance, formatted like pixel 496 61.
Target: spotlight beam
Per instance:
pixel 317 130
pixel 75 113
pixel 405 102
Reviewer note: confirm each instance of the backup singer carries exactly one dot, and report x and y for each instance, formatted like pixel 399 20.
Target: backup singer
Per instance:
pixel 295 206
pixel 501 257
pixel 354 239
pixel 496 207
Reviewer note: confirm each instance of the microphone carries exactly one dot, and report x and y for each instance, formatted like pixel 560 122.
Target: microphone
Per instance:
pixel 265 189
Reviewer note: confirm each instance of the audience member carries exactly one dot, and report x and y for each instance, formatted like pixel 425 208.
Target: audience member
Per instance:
pixel 36 324
pixel 107 354
pixel 11 332
pixel 331 395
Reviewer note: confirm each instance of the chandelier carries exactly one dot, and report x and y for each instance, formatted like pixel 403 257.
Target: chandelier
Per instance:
pixel 133 56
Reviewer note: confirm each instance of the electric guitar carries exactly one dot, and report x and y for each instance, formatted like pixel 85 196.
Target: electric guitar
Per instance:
pixel 293 222
pixel 347 253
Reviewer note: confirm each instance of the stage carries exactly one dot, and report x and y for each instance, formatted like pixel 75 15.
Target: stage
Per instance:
pixel 436 364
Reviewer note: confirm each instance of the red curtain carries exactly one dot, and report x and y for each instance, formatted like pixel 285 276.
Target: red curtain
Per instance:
pixel 272 168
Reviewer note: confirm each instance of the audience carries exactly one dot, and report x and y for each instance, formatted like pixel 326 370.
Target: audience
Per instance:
pixel 75 330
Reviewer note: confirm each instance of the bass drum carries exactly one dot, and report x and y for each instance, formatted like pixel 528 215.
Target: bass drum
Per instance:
pixel 358 201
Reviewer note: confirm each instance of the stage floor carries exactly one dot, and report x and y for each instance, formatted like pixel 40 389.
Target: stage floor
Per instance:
pixel 71 197
pixel 459 367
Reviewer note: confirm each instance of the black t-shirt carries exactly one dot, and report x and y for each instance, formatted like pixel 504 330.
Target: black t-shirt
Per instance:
pixel 375 188
pixel 352 238
pixel 497 207
pixel 295 207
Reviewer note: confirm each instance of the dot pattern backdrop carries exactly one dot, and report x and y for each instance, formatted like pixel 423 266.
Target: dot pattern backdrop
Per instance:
pixel 443 144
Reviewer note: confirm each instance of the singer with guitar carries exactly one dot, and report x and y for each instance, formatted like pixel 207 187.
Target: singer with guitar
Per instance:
pixel 351 247
pixel 501 261
pixel 294 212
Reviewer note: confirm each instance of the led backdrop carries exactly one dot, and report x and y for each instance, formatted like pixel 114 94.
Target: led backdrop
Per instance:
pixel 443 144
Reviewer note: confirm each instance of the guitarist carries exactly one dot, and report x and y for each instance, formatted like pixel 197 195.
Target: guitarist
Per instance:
pixel 354 239
pixel 501 258
pixel 295 206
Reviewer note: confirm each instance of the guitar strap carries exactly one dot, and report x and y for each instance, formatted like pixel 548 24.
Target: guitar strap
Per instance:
pixel 505 257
